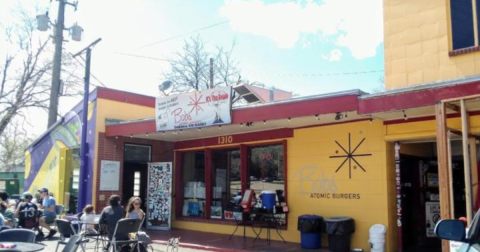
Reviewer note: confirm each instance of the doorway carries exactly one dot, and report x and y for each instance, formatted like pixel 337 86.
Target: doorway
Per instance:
pixel 420 195
pixel 135 172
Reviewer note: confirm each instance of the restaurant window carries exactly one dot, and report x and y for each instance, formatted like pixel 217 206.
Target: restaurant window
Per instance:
pixel 266 170
pixel 194 184
pixel 263 170
pixel 226 177
pixel 463 22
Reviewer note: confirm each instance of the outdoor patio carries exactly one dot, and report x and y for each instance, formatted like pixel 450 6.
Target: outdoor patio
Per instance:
pixel 203 241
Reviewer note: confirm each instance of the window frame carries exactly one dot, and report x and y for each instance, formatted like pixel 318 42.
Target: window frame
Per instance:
pixel 476 33
pixel 244 162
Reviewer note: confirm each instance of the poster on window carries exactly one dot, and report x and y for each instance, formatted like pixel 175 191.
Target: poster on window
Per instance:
pixel 194 110
pixel 432 210
pixel 159 198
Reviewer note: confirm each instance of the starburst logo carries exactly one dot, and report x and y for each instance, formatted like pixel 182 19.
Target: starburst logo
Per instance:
pixel 350 156
pixel 196 103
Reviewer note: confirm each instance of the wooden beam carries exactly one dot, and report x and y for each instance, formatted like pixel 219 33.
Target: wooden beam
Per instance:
pixel 442 156
pixel 466 161
pixel 450 171
pixel 453 107
pixel 460 133
pixel 473 161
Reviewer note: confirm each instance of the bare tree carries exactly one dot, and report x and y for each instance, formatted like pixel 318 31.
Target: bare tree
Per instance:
pixel 225 67
pixel 13 143
pixel 26 70
pixel 190 67
pixel 380 88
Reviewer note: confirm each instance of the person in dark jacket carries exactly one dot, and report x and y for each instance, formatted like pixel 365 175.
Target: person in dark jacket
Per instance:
pixel 111 215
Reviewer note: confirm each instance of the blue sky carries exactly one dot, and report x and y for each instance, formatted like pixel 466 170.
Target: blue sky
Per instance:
pixel 298 46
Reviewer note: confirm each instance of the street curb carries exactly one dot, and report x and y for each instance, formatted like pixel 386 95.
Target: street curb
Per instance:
pixel 199 247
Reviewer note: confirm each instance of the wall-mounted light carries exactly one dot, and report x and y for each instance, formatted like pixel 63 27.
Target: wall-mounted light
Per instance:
pixel 289 119
pixel 338 116
pixel 241 124
pixel 371 120
pixel 317 117
pixel 404 115
pixel 264 122
pixel 131 135
pixel 146 134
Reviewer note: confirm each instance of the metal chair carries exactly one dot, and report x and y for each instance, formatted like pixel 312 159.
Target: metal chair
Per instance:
pixel 121 234
pixel 73 243
pixel 17 235
pixel 98 237
pixel 65 229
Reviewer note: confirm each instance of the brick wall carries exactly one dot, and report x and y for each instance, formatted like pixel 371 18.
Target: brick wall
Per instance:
pixel 111 148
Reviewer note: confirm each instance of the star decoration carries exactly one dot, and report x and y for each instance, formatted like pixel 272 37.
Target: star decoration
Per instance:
pixel 196 103
pixel 349 156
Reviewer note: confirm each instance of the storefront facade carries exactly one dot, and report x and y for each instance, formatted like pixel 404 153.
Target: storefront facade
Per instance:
pixel 373 158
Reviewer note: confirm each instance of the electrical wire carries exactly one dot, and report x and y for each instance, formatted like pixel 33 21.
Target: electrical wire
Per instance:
pixel 141 56
pixel 312 74
pixel 183 34
pixel 101 83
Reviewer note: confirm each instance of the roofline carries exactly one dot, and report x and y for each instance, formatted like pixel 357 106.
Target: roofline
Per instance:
pixel 421 87
pixel 356 92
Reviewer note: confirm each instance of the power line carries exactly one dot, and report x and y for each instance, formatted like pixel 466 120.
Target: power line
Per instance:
pixel 183 34
pixel 312 74
pixel 140 56
pixel 101 83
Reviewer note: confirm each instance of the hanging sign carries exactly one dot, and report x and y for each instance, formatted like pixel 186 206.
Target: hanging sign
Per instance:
pixel 194 110
pixel 159 207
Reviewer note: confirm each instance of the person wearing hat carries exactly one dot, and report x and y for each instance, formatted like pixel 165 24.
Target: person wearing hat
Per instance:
pixel 49 214
pixel 26 212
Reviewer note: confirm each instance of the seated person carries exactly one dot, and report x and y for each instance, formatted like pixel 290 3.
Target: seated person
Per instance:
pixel 10 203
pixel 8 215
pixel 87 217
pixel 111 215
pixel 27 212
pixel 49 214
pixel 238 198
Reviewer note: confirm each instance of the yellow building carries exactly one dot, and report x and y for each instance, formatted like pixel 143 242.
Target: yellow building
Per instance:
pixel 370 157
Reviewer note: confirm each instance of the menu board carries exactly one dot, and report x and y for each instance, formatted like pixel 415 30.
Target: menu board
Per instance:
pixel 159 207
pixel 109 175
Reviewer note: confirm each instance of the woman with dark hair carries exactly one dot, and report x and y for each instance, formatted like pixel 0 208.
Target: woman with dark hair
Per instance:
pixel 133 209
pixel 111 215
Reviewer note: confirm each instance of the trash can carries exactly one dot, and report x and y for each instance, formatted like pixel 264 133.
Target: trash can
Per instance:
pixel 310 227
pixel 339 230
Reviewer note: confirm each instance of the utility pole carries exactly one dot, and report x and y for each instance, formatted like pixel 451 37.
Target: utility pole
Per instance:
pixel 57 64
pixel 211 72
pixel 83 189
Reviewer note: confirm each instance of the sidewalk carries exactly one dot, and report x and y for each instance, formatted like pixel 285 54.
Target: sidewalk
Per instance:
pixel 220 242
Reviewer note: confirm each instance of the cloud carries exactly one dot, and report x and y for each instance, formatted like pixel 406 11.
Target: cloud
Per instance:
pixel 334 55
pixel 356 25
